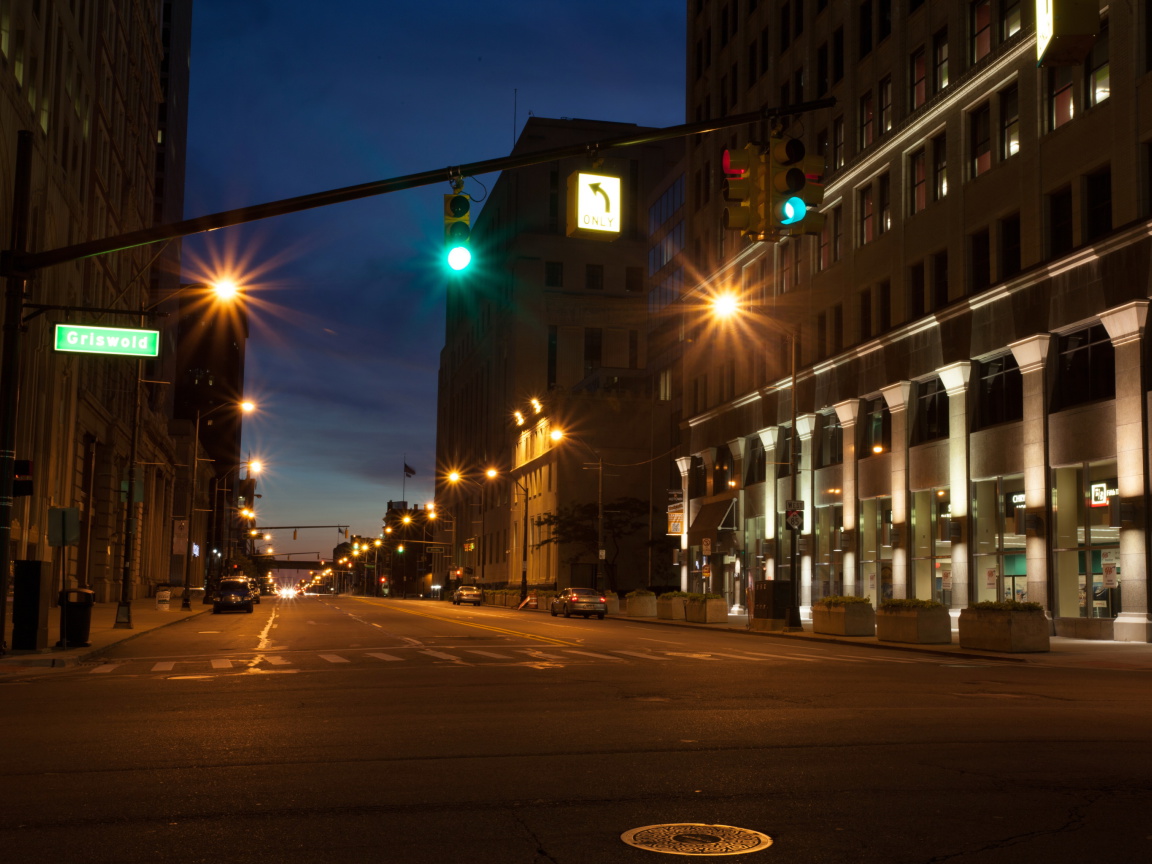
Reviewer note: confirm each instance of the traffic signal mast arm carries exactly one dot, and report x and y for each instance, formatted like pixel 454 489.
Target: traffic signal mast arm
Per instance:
pixel 23 264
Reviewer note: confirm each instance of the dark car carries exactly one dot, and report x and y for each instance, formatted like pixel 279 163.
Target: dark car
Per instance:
pixel 579 601
pixel 234 594
pixel 468 594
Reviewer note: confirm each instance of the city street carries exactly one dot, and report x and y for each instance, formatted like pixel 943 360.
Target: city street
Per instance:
pixel 342 729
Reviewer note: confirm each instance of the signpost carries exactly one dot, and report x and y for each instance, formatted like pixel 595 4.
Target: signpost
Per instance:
pixel 86 339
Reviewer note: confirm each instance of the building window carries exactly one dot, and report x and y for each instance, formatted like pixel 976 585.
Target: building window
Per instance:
pixel 1009 121
pixel 918 185
pixel 824 258
pixel 931 418
pixel 884 16
pixel 837 233
pixel 939 167
pixel 1087 368
pixel 866 222
pixel 838 55
pixel 884 204
pixel 1010 22
pixel 594 277
pixel 1098 195
pixel 865 314
pixel 1000 393
pixel 979 262
pixel 1096 67
pixel 593 349
pixel 885 105
pixel 980 140
pixel 940 280
pixel 553 274
pixel 822 70
pixel 865 31
pixel 1060 237
pixel 918 79
pixel 837 328
pixel 867 120
pixel 884 307
pixel 916 305
pixel 785 27
pixel 1060 104
pixel 1010 246
pixel 821 336
pixel 831 442
pixel 838 143
pixel 980 28
pixel 876 431
pixel 634 276
pixel 940 61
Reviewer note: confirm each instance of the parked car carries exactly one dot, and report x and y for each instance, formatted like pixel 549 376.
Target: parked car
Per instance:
pixel 579 601
pixel 234 594
pixel 255 590
pixel 467 594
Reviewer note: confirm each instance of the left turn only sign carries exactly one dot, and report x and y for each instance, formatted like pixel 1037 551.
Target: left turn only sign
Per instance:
pixel 594 208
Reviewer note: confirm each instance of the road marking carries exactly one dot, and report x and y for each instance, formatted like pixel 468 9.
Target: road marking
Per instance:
pixel 691 656
pixel 738 657
pixel 334 658
pixel 379 655
pixel 550 639
pixel 540 655
pixel 442 655
pixel 221 664
pixel 786 657
pixel 265 644
pixel 104 668
pixel 642 656
pixel 489 654
pixel 594 654
pixel 163 667
pixel 278 661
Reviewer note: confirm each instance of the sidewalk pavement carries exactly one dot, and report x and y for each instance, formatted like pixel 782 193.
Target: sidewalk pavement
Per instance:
pixel 103 632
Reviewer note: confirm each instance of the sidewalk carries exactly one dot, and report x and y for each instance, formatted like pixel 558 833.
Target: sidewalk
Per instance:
pixel 103 633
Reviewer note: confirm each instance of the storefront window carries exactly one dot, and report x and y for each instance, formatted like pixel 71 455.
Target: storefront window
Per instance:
pixel 998 539
pixel 1086 537
pixel 931 545
pixel 876 549
pixel 828 563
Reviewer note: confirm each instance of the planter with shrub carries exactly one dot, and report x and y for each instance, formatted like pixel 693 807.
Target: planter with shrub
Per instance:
pixel 641 603
pixel 922 622
pixel 670 605
pixel 844 616
pixel 706 609
pixel 1008 626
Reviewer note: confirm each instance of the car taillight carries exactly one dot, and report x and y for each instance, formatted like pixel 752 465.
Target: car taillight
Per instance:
pixel 603 599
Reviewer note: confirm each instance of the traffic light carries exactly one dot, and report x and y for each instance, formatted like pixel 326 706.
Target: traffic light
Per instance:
pixel 786 207
pixel 743 190
pixel 813 195
pixel 457 229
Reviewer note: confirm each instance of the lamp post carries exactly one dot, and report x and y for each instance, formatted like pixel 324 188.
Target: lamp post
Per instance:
pixel 725 306
pixel 246 407
pixel 558 435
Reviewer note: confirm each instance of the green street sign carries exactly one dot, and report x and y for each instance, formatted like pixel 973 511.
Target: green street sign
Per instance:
pixel 107 340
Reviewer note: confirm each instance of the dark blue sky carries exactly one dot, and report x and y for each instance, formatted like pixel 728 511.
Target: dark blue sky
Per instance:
pixel 291 97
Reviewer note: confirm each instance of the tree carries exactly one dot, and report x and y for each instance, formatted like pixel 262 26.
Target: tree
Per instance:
pixel 574 526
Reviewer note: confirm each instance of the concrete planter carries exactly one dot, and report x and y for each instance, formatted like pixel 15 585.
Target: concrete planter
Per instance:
pixel 851 619
pixel 641 606
pixel 1006 630
pixel 929 625
pixel 706 611
pixel 613 602
pixel 671 608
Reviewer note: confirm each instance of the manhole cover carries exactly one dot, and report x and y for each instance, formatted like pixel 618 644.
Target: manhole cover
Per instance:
pixel 695 838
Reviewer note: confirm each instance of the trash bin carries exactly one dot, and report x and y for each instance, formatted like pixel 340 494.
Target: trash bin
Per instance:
pixel 76 617
pixel 163 597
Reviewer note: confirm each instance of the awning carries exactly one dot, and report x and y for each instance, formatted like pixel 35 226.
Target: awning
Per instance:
pixel 712 517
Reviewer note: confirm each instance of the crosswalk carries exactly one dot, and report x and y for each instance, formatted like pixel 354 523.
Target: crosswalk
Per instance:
pixel 522 657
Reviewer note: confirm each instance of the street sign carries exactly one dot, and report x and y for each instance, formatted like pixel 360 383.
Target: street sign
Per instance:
pixel 84 339
pixel 794 515
pixel 595 206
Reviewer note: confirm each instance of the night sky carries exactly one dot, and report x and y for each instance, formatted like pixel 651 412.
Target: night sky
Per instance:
pixel 346 302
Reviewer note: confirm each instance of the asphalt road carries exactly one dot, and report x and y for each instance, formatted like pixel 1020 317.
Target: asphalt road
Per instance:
pixel 349 730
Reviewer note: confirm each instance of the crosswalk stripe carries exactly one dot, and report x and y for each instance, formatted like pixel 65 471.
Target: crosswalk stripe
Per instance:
pixel 440 654
pixel 277 661
pixel 334 658
pixel 221 664
pixel 379 655
pixel 163 667
pixel 642 656
pixel 540 655
pixel 489 654
pixel 594 654
pixel 103 668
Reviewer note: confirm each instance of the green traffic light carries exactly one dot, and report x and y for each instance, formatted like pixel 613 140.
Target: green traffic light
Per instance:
pixel 793 210
pixel 459 257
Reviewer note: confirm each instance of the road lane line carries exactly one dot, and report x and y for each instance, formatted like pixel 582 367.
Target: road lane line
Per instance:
pixel 786 657
pixel 265 643
pixel 521 633
pixel 489 654
pixel 221 664
pixel 642 656
pixel 104 668
pixel 539 655
pixel 278 661
pixel 163 667
pixel 594 654
pixel 738 657
pixel 334 658
pixel 442 655
pixel 380 655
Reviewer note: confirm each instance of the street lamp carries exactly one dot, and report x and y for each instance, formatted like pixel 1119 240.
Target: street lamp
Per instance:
pixel 558 435
pixel 246 407
pixel 725 306
pixel 492 474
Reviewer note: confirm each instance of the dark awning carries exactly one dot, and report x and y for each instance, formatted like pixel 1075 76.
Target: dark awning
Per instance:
pixel 712 517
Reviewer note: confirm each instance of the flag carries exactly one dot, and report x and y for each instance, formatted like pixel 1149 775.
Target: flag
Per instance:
pixel 409 471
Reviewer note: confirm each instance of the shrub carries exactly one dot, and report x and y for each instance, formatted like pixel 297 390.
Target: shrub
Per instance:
pixel 840 600
pixel 671 595
pixel 1009 606
pixel 696 596
pixel 894 604
pixel 640 592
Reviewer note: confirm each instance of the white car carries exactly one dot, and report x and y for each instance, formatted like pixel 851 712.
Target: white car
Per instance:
pixel 468 594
